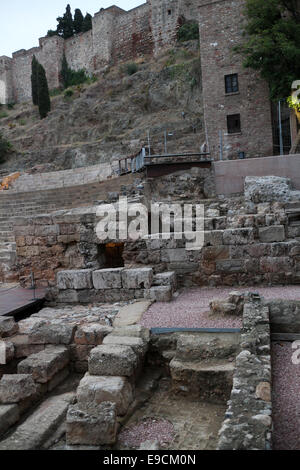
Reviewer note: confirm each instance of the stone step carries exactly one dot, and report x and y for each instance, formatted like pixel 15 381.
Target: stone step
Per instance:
pixel 208 380
pixel 46 364
pixel 202 346
pixel 40 425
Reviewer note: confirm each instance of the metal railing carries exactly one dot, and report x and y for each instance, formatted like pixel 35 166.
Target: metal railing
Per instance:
pixel 132 164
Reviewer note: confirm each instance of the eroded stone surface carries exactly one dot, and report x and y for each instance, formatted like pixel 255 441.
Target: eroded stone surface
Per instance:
pixel 45 364
pixel 113 359
pixel 94 390
pixel 16 387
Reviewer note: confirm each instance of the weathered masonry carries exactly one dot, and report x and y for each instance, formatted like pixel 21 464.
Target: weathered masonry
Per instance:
pixel 236 104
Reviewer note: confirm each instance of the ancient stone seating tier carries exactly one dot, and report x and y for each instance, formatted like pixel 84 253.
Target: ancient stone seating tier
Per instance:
pixel 111 285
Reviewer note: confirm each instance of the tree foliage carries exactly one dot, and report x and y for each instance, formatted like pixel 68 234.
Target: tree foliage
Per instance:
pixel 43 93
pixel 78 21
pixel 87 23
pixel 272 43
pixel 67 26
pixel 188 31
pixel 71 77
pixel 34 81
pixel 5 148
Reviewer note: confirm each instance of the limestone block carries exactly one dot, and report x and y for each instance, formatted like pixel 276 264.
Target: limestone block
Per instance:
pixel 274 233
pixel 45 364
pixel 86 429
pixel 9 350
pixel 174 255
pixel 22 346
pixel 94 390
pixel 80 352
pixel 238 236
pixel 223 307
pixel 230 266
pixel 75 279
pixel 161 293
pixel 54 332
pixel 140 278
pixel 16 387
pixel 267 189
pixel 108 278
pixel 8 327
pixel 165 279
pixel 137 331
pixel 9 415
pixel 91 333
pixel 111 359
pixel 137 344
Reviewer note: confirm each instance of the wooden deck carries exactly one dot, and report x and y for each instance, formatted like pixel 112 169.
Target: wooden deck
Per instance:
pixel 15 301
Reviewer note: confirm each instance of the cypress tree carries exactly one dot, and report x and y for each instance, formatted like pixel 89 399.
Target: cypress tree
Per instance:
pixel 65 72
pixel 87 23
pixel 43 92
pixel 65 26
pixel 34 81
pixel 78 21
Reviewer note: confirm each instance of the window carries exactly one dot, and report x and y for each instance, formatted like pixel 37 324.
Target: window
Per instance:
pixel 234 123
pixel 231 83
pixel 169 12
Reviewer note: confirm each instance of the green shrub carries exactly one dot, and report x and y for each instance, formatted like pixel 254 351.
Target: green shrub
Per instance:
pixel 55 92
pixel 68 93
pixel 10 105
pixel 3 114
pixel 22 122
pixel 131 69
pixel 188 32
pixel 5 148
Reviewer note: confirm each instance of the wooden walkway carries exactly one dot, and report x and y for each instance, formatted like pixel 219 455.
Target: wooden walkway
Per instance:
pixel 15 300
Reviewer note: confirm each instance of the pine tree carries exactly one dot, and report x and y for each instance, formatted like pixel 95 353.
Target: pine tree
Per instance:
pixel 43 92
pixel 87 23
pixel 78 21
pixel 34 81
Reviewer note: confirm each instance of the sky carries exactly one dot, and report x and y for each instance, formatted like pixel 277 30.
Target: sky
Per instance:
pixel 24 22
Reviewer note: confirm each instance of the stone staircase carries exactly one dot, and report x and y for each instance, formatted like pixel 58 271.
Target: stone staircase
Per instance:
pixel 204 363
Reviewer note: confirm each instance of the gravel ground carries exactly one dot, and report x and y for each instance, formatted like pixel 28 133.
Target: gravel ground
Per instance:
pixel 149 429
pixel 191 308
pixel 286 398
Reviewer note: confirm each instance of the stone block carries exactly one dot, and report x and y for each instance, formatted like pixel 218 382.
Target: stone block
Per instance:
pixel 137 344
pixel 15 388
pixel 8 327
pixel 165 279
pixel 137 331
pixel 160 293
pixel 9 415
pixel 174 255
pixel 45 364
pixel 75 279
pixel 108 279
pixel 239 236
pixel 22 346
pixel 54 332
pixel 140 278
pixel 274 233
pixel 94 390
pixel 230 266
pixel 113 359
pixel 86 429
pixel 91 333
pixel 80 352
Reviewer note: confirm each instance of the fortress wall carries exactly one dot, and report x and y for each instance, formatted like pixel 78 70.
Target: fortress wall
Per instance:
pixel 5 80
pixel 165 19
pixel 79 51
pixel 133 34
pixel 103 32
pixel 49 54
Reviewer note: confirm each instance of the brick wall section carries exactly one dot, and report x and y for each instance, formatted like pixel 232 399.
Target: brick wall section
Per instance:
pixel 221 25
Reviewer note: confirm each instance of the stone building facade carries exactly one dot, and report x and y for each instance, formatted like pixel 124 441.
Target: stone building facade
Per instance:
pixel 236 106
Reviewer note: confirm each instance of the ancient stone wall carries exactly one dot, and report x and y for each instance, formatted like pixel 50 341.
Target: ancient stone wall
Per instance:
pixel 221 26
pixel 5 80
pixel 79 51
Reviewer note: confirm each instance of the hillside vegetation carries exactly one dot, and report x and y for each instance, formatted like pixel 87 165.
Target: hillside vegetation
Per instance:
pixel 109 119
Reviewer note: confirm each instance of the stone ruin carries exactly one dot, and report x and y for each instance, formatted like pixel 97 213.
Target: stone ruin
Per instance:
pixel 84 367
